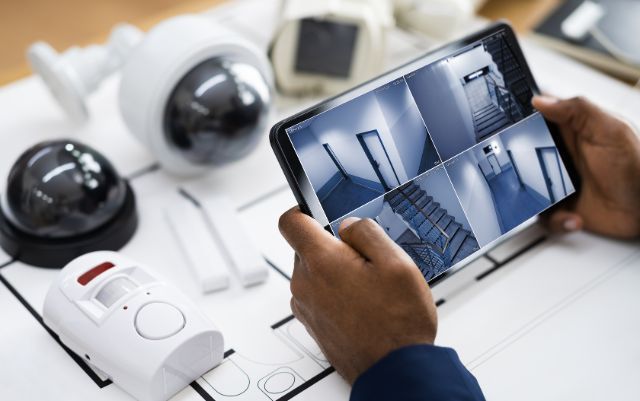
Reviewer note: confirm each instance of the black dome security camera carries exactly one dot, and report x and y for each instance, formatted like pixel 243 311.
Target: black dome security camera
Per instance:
pixel 64 199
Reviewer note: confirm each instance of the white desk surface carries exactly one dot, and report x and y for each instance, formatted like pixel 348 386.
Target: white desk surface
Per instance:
pixel 558 322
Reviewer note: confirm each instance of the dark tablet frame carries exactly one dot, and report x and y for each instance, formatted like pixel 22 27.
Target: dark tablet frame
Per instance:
pixel 290 163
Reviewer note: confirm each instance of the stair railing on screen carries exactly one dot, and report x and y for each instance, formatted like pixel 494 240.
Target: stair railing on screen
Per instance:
pixel 428 254
pixel 443 247
pixel 504 97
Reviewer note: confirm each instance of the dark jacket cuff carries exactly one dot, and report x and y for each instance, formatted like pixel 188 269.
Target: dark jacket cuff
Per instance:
pixel 417 373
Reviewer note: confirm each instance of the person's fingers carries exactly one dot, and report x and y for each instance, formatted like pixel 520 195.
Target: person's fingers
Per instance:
pixel 578 112
pixel 562 221
pixel 298 312
pixel 347 222
pixel 299 279
pixel 294 309
pixel 560 111
pixel 302 232
pixel 570 115
pixel 296 274
pixel 550 107
pixel 370 240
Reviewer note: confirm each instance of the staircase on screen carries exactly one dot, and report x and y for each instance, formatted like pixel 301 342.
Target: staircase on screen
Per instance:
pixel 442 240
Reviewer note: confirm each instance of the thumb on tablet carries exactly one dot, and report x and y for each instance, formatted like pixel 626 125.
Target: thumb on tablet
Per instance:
pixel 563 221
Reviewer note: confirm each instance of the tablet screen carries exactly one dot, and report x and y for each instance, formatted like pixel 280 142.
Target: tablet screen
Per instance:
pixel 446 158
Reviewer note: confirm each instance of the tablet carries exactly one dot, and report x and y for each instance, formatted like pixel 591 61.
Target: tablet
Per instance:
pixel 445 153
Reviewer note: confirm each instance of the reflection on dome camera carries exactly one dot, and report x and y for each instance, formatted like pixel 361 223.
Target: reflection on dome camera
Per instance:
pixel 60 189
pixel 217 112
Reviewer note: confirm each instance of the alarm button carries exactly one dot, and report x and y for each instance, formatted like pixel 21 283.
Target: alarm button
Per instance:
pixel 159 320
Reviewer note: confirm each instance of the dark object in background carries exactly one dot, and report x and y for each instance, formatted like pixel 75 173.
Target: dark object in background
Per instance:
pixel 619 24
pixel 64 199
pixel 325 47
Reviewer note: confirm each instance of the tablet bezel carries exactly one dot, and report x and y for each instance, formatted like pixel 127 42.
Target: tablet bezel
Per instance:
pixel 296 176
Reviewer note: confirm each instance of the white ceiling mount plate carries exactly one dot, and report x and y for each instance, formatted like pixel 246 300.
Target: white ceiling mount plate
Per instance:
pixel 62 81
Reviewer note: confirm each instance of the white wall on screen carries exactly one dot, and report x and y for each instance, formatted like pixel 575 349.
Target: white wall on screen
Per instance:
pixel 444 107
pixel 500 154
pixel 393 224
pixel 339 128
pixel 471 61
pixel 522 140
pixel 405 124
pixel 436 183
pixel 315 160
pixel 475 197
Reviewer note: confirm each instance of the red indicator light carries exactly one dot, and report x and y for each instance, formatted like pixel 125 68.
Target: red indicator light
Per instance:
pixel 94 272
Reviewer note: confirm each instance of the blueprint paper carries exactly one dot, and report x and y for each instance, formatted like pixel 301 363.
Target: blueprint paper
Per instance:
pixel 535 314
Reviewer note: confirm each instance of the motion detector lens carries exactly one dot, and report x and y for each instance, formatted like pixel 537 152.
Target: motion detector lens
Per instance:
pixel 63 199
pixel 217 112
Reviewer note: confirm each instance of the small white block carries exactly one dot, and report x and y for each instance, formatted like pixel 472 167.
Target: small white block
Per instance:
pixel 243 254
pixel 199 248
pixel 582 20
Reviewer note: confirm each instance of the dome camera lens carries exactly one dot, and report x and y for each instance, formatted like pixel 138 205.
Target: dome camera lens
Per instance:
pixel 62 188
pixel 64 199
pixel 217 111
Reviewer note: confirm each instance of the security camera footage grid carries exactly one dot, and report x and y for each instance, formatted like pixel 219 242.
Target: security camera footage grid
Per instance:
pixel 446 159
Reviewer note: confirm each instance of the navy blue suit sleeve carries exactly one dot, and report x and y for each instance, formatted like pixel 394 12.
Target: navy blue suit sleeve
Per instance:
pixel 417 373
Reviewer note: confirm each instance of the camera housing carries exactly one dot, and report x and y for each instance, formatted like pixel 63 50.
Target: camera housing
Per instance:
pixel 195 93
pixel 136 328
pixel 227 110
pixel 328 46
pixel 64 199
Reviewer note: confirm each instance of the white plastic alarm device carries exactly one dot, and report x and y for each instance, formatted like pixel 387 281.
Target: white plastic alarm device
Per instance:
pixel 326 46
pixel 142 333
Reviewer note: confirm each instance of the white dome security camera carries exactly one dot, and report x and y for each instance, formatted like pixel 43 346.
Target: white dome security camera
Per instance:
pixel 195 93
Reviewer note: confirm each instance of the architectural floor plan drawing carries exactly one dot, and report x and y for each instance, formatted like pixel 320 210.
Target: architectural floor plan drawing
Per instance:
pixel 241 378
pixel 531 300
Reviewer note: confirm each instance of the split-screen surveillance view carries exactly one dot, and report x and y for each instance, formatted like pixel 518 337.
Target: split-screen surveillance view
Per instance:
pixel 446 159
pixel 509 178
pixel 470 96
pixel 425 218
pixel 356 152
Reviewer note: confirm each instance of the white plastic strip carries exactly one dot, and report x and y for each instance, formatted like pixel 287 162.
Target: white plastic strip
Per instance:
pixel 200 250
pixel 243 254
pixel 582 20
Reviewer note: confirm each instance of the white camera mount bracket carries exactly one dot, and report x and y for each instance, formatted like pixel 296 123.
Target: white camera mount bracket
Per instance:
pixel 76 73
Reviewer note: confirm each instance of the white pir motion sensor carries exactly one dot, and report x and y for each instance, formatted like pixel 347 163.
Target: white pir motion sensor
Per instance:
pixel 143 333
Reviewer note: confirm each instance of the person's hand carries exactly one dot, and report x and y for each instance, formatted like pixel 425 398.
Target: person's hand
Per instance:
pixel 359 298
pixel 606 153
